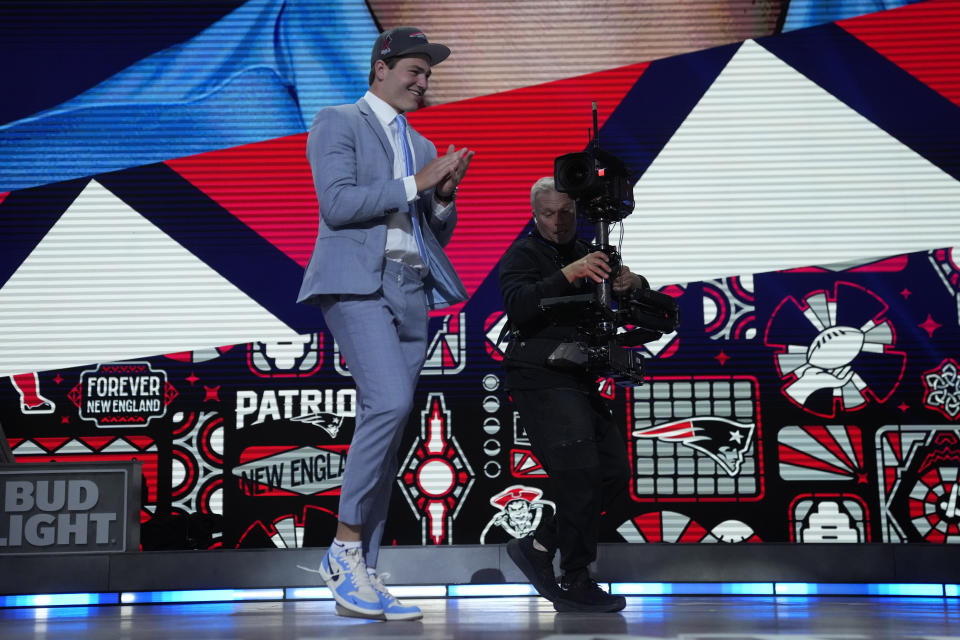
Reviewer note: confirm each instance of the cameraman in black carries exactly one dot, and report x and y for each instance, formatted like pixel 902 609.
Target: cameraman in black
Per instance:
pixel 571 429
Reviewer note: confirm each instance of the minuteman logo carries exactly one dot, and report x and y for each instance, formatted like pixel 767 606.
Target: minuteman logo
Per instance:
pixel 121 395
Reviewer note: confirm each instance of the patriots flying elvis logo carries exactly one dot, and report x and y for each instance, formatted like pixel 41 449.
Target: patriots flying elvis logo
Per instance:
pixel 725 441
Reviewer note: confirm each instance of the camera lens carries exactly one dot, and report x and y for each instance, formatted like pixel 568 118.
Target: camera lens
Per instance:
pixel 573 173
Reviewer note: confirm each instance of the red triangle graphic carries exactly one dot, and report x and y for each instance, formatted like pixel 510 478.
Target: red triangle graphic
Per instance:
pixel 267 185
pixel 895 444
pixel 51 444
pixel 448 360
pixel 516 134
pixel 692 533
pixel 97 442
pixel 920 38
pixel 141 442
pixel 525 462
pixel 608 388
pixel 649 525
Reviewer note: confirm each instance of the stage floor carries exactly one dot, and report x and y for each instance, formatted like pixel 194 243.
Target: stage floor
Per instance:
pixel 677 617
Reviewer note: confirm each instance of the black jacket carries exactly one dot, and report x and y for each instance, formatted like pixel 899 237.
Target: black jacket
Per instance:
pixel 530 272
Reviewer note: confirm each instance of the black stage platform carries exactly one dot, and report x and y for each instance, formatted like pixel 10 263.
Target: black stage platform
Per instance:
pixel 483 564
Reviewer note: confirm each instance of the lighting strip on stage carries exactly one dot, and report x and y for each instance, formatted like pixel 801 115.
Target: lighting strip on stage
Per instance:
pixel 861 589
pixel 410 591
pixel 694 588
pixel 502 590
pixel 59 600
pixel 200 595
pixel 779 589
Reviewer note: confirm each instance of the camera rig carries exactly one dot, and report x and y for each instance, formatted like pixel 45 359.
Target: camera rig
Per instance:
pixel 601 186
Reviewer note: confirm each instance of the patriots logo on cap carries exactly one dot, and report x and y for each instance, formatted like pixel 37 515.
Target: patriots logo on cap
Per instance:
pixel 723 440
pixel 419 34
pixel 385 47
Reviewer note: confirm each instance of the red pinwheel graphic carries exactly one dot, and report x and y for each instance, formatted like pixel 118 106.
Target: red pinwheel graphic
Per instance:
pixel 821 452
pixel 835 352
pixel 678 528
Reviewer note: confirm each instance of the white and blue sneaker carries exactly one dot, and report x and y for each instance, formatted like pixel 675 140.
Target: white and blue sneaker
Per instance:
pixel 346 575
pixel 393 608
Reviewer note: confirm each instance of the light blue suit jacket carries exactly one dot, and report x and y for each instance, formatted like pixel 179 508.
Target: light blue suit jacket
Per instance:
pixel 352 163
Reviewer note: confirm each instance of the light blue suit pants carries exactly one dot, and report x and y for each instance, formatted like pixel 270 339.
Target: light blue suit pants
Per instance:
pixel 383 338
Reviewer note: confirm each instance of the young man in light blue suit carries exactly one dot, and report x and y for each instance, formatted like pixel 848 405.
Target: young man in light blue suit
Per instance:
pixel 387 210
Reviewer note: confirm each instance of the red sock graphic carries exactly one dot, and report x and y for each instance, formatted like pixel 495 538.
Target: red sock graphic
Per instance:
pixel 28 386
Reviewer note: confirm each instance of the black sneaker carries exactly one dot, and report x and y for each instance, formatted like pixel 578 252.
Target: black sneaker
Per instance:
pixel 581 593
pixel 536 565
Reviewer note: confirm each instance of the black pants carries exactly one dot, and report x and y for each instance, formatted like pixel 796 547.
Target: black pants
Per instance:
pixel 574 436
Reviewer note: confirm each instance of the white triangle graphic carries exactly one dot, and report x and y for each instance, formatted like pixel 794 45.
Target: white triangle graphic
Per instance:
pixel 434 359
pixel 287 532
pixel 29 448
pixel 120 446
pixel 770 171
pixel 494 332
pixel 105 284
pixel 73 446
pixel 630 532
pixel 527 462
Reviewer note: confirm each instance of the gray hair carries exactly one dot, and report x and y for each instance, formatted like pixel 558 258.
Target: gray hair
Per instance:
pixel 541 186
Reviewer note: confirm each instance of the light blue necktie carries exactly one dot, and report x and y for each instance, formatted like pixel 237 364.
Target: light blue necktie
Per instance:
pixel 409 171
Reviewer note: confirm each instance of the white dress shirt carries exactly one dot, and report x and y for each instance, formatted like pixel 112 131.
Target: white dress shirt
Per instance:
pixel 401 245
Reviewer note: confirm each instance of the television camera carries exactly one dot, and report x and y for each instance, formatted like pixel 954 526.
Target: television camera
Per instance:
pixel 601 186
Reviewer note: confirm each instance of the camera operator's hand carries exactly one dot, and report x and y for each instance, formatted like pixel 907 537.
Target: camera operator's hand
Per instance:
pixel 593 265
pixel 627 280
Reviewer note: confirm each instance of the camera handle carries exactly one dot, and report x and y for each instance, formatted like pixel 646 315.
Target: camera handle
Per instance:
pixel 604 291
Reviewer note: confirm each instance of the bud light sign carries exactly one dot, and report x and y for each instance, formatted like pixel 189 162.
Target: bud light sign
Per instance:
pixel 69 508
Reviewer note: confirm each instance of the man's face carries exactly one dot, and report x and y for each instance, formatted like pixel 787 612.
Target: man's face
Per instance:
pixel 518 512
pixel 404 86
pixel 555 215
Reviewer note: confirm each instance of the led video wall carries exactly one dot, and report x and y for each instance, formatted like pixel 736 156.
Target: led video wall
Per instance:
pixel 796 193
